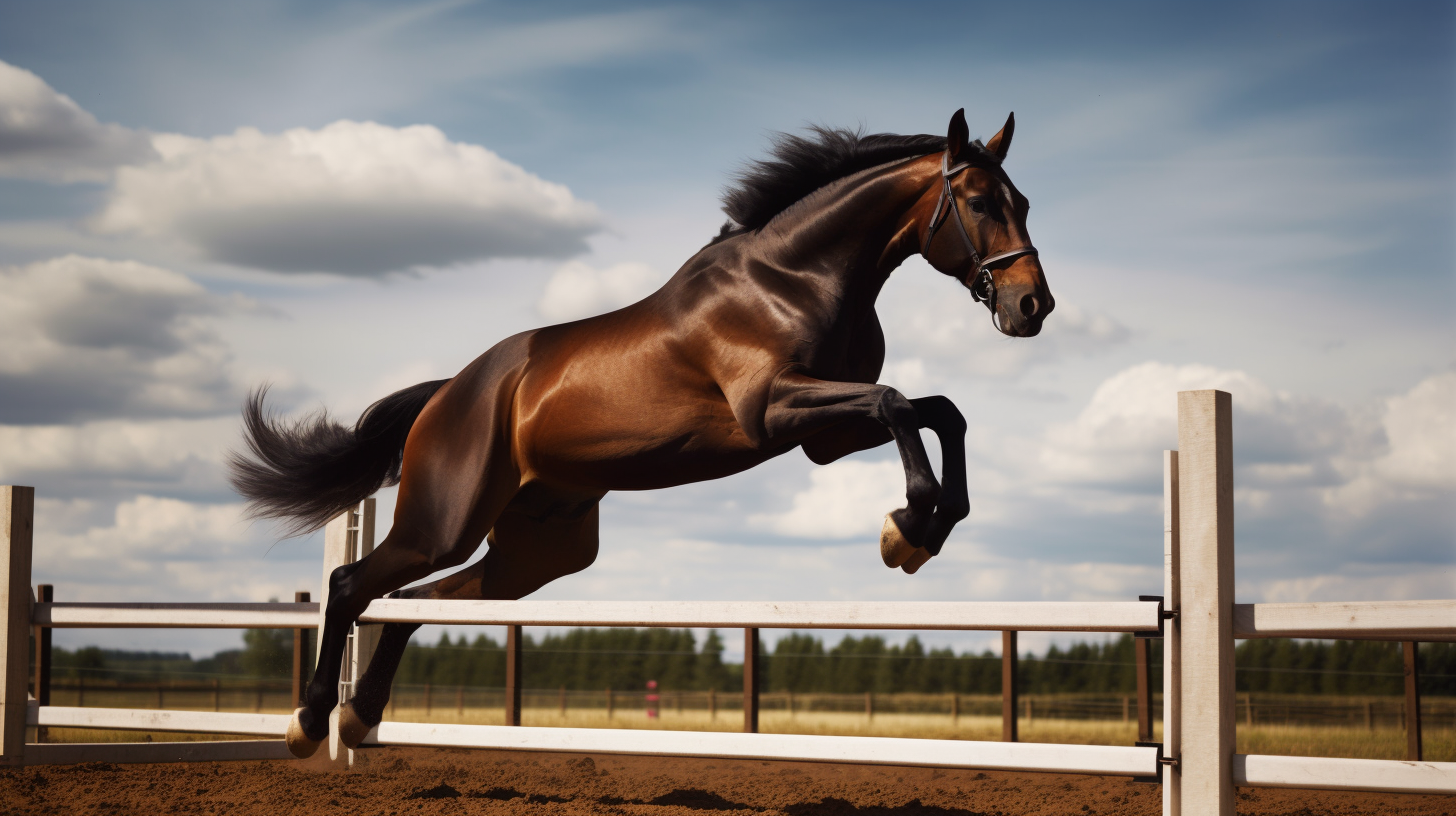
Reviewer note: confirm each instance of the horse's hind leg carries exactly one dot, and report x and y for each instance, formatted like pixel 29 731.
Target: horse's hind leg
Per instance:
pixel 525 554
pixel 450 495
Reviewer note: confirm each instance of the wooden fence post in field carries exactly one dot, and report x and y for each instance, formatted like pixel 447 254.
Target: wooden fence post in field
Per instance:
pixel 44 593
pixel 1144 689
pixel 955 708
pixel 750 681
pixel 1008 687
pixel 216 694
pixel 869 705
pixel 563 701
pixel 459 701
pixel 609 704
pixel 17 532
pixel 1412 702
pixel 1172 640
pixel 1206 569
pixel 513 675
pixel 712 704
pixel 428 698
pixel 300 660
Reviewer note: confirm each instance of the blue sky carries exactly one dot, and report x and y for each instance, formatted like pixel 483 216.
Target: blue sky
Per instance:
pixel 348 198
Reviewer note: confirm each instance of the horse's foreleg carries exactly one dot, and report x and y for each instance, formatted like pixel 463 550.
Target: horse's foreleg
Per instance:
pixel 940 415
pixel 800 407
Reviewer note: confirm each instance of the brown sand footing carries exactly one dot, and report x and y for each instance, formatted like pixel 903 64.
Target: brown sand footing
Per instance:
pixel 400 781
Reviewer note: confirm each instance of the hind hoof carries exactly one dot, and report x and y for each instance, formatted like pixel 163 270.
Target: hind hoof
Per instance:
pixel 894 549
pixel 299 743
pixel 916 561
pixel 352 729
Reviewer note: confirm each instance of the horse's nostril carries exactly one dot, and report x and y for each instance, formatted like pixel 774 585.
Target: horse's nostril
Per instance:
pixel 1028 305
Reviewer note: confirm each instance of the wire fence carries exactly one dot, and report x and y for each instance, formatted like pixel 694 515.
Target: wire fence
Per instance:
pixel 242 694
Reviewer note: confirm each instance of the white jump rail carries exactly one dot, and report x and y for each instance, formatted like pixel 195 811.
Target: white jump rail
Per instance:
pixel 1424 621
pixel 1323 773
pixel 175 615
pixel 1107 616
pixel 930 753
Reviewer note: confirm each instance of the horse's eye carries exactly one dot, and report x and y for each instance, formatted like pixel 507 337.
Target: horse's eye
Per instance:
pixel 978 206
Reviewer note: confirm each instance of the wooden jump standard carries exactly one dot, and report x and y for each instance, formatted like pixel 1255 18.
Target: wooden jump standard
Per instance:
pixel 1196 761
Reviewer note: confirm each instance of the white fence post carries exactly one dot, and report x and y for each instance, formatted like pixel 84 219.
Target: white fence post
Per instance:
pixel 348 538
pixel 1206 586
pixel 1172 640
pixel 17 530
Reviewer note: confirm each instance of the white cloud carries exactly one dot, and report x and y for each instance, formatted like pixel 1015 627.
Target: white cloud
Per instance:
pixel 155 548
pixel 72 460
pixel 1419 461
pixel 577 290
pixel 45 135
pixel 846 499
pixel 353 198
pixel 1133 416
pixel 84 338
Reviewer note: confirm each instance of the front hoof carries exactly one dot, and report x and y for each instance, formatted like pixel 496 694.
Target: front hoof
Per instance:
pixel 894 549
pixel 916 561
pixel 352 728
pixel 299 743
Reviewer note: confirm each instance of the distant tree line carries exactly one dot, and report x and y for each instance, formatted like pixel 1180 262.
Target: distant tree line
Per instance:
pixel 594 659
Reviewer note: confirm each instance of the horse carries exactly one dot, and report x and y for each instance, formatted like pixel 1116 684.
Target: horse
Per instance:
pixel 764 341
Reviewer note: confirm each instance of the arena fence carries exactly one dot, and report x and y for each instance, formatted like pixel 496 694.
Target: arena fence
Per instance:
pixel 1197 617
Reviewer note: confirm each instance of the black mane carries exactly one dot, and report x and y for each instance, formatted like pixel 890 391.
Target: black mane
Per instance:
pixel 799 165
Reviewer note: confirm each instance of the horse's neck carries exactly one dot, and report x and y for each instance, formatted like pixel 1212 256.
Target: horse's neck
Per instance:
pixel 852 234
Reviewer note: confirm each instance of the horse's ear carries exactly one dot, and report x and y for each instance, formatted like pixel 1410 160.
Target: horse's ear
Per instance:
pixel 1001 142
pixel 959 136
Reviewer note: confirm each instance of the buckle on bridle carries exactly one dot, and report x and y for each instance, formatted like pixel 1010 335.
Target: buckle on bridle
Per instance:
pixel 983 286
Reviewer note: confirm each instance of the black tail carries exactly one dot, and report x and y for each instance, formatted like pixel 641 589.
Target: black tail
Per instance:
pixel 311 470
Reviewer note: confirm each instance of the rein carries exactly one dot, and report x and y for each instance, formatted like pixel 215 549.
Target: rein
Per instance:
pixel 983 284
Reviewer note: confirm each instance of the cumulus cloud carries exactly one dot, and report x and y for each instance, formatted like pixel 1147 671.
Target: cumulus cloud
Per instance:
pixel 1133 416
pixel 45 135
pixel 353 198
pixel 86 338
pixel 1419 459
pixel 577 290
pixel 846 499
pixel 149 547
pixel 175 455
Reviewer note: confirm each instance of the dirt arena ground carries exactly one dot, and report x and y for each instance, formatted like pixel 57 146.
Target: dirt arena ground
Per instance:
pixel 403 782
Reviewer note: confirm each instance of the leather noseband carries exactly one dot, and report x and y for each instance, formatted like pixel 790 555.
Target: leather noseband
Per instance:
pixel 981 282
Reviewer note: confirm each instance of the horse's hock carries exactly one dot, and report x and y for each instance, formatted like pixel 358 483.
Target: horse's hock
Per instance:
pixel 1197 618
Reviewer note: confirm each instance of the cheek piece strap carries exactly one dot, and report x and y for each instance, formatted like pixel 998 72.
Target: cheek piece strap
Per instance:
pixel 979 280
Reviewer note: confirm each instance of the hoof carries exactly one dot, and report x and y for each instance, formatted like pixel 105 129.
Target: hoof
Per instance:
pixel 894 549
pixel 352 729
pixel 299 743
pixel 916 561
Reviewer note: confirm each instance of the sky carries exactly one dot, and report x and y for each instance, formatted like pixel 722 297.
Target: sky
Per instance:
pixel 343 199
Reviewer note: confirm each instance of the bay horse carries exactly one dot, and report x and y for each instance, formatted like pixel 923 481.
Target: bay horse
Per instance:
pixel 766 340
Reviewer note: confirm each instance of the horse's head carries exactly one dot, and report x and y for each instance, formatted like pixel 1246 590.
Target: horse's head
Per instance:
pixel 977 232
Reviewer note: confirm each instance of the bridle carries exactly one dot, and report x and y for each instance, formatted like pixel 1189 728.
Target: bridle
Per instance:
pixel 983 284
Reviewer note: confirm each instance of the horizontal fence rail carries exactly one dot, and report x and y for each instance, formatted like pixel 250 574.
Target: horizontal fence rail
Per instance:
pixel 1323 773
pixel 176 615
pixel 1026 616
pixel 131 719
pixel 1019 756
pixel 1424 621
pixel 136 753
